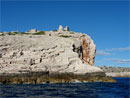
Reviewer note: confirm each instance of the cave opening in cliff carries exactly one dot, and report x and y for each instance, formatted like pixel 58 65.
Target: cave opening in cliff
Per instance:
pixel 78 50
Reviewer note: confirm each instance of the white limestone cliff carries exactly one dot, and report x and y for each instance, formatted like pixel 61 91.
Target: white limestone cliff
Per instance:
pixel 60 52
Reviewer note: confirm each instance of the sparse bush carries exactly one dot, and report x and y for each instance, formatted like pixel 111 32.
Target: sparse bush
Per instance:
pixel 40 33
pixel 54 30
pixel 22 32
pixel 15 33
pixel 2 35
pixel 83 36
pixel 71 32
pixel 65 36
pixel 10 33
pixel 25 33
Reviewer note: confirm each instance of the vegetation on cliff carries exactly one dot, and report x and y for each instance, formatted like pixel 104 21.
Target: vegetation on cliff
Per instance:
pixel 40 33
pixel 65 36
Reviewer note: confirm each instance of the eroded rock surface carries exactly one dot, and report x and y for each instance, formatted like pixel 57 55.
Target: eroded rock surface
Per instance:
pixel 87 55
pixel 70 53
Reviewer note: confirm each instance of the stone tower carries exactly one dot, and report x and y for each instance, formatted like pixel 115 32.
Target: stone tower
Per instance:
pixel 66 28
pixel 60 28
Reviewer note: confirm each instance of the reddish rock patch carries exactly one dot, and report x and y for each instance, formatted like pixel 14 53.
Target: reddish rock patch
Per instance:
pixel 85 53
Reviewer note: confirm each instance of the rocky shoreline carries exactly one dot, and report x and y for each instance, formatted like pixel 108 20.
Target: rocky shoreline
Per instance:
pixel 116 71
pixel 118 74
pixel 45 77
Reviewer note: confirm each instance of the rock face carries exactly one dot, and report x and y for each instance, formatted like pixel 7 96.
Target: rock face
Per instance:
pixel 62 52
pixel 46 53
pixel 87 56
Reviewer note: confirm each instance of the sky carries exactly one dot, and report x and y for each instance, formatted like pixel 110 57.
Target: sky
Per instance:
pixel 107 22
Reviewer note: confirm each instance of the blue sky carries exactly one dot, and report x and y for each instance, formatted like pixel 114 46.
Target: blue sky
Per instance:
pixel 107 22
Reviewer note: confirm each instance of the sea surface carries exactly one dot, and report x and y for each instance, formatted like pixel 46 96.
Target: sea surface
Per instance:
pixel 121 89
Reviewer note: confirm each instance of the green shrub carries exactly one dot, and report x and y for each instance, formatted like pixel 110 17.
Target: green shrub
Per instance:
pixel 54 30
pixel 15 33
pixel 71 32
pixel 2 35
pixel 40 33
pixel 25 33
pixel 83 36
pixel 65 36
pixel 10 33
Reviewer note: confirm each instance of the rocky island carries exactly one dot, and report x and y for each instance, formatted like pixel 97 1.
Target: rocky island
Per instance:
pixel 57 56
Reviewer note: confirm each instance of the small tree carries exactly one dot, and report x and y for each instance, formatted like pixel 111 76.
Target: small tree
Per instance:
pixel 65 36
pixel 40 33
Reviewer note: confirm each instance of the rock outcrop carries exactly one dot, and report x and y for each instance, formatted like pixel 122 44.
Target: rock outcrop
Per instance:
pixel 87 56
pixel 64 52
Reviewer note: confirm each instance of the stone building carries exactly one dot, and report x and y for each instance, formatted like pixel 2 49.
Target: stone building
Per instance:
pixel 66 28
pixel 60 28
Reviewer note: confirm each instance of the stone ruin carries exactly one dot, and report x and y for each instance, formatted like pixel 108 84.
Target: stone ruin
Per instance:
pixel 66 28
pixel 61 28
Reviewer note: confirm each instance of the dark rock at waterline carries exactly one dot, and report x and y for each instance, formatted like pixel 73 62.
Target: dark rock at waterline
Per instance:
pixel 45 77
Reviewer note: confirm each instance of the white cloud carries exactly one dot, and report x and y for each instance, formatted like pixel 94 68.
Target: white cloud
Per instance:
pixel 119 60
pixel 118 49
pixel 105 52
pixel 102 53
pixel 99 61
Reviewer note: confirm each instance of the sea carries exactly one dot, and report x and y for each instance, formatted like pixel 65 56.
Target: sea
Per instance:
pixel 121 89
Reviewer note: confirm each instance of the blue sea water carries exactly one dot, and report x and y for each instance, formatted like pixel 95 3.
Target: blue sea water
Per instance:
pixel 121 89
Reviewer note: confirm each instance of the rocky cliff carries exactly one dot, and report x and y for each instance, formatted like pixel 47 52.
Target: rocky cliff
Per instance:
pixel 54 52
